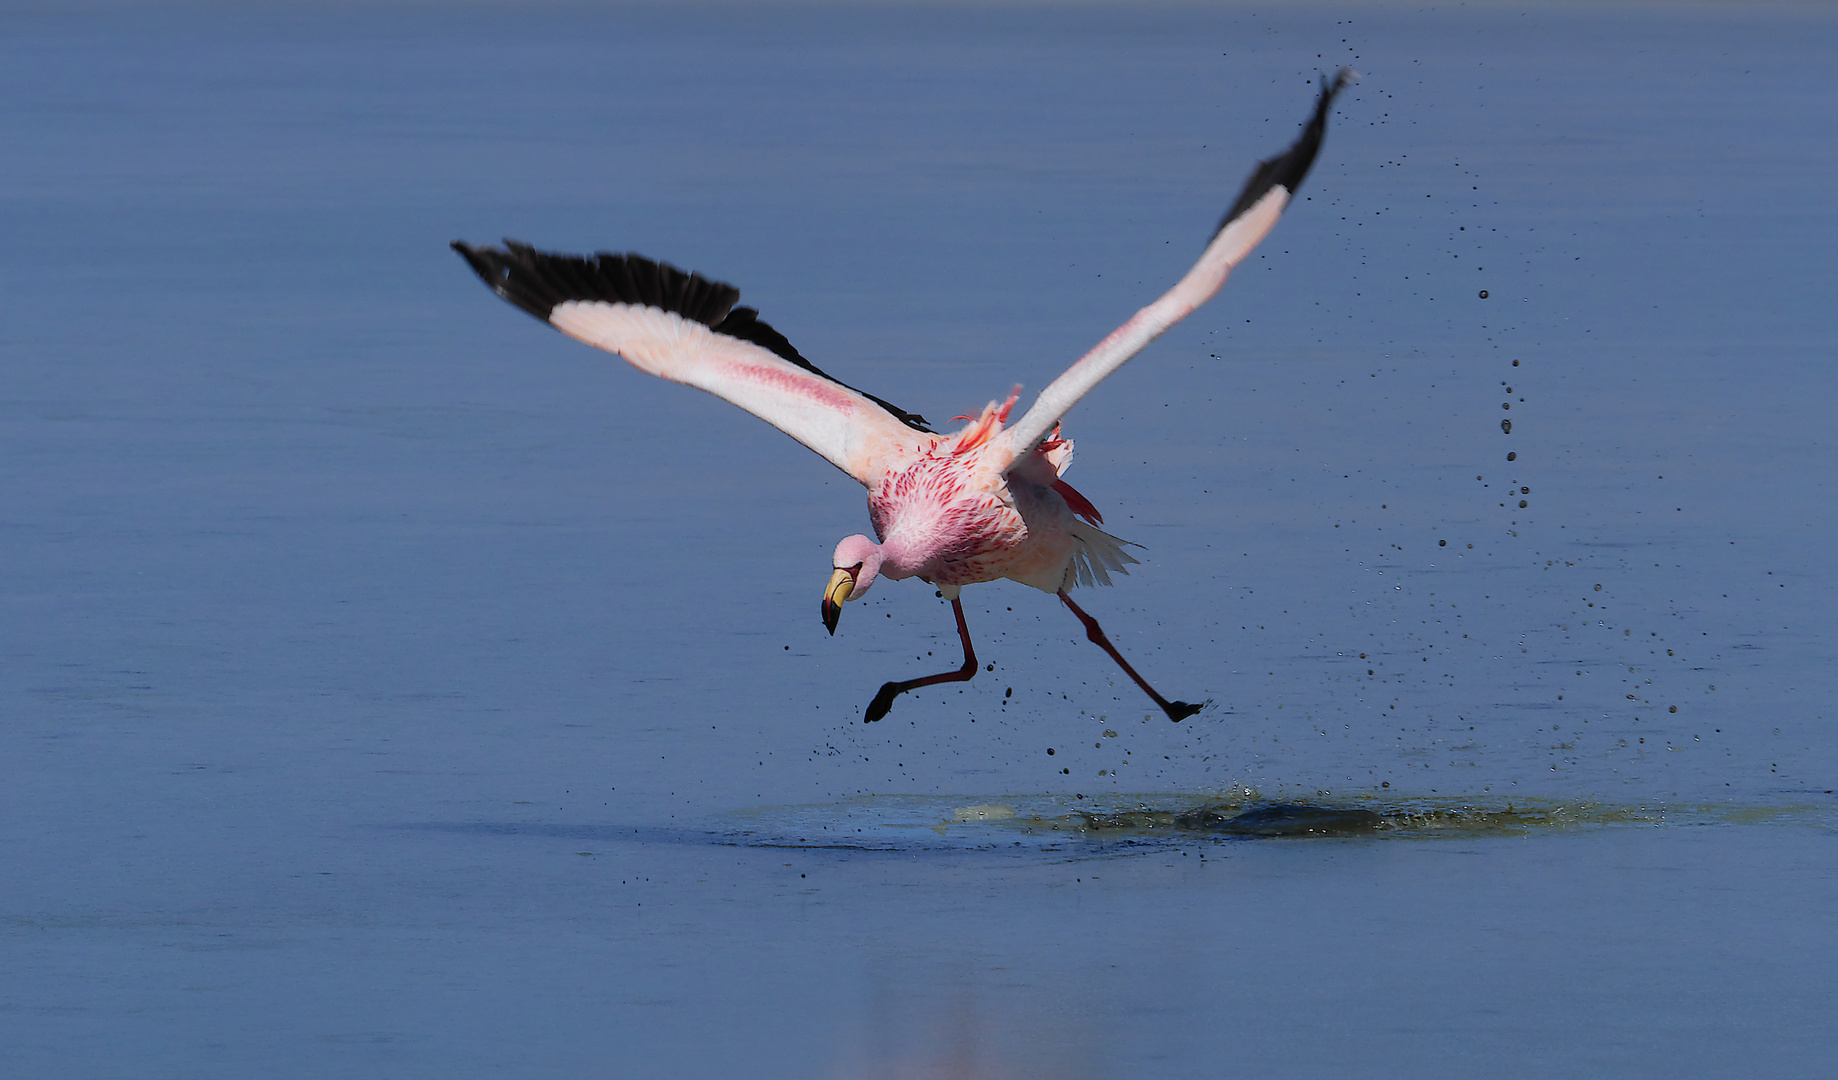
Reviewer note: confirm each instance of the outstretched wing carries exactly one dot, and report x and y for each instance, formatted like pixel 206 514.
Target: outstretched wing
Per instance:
pixel 1250 219
pixel 685 328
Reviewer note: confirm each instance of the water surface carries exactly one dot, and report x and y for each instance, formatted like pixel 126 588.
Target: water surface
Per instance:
pixel 392 686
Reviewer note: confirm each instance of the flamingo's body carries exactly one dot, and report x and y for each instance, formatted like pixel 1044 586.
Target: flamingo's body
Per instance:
pixel 983 503
pixel 963 511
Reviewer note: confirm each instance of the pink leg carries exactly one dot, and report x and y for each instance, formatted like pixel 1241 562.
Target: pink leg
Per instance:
pixel 883 701
pixel 1176 710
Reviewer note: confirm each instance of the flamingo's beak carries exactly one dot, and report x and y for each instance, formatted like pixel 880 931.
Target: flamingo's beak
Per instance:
pixel 842 583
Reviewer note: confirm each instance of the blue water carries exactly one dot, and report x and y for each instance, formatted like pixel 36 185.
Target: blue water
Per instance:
pixel 391 686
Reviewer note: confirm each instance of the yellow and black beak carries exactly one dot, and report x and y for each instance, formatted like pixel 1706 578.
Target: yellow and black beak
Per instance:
pixel 842 583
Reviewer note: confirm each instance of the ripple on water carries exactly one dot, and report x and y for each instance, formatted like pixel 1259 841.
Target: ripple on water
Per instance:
pixel 1056 823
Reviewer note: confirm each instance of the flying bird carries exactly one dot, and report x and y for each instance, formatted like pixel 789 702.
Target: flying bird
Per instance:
pixel 985 502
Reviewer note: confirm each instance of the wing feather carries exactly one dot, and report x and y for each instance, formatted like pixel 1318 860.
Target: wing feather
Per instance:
pixel 1253 214
pixel 685 328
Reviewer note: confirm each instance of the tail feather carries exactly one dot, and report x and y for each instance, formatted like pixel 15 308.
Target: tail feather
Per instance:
pixel 1097 552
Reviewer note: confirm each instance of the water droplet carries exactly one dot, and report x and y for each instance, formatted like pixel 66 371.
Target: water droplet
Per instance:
pixel 1483 294
pixel 1506 426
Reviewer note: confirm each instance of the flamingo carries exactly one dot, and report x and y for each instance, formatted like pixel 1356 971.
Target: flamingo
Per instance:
pixel 985 502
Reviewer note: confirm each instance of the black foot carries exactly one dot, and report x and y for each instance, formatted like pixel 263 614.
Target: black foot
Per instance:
pixel 1177 710
pixel 882 703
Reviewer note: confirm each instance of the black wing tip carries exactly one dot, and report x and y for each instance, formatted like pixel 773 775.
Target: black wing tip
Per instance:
pixel 1287 169
pixel 538 281
pixel 499 269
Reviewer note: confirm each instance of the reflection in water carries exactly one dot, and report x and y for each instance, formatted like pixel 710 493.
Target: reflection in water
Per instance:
pixel 954 1021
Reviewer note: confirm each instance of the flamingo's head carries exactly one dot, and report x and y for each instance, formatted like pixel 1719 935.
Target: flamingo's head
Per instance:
pixel 857 562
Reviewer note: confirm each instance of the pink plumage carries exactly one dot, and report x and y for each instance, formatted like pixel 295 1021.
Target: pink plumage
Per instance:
pixel 984 503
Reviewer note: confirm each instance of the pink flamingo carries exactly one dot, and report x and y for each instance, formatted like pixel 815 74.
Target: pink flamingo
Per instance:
pixel 952 510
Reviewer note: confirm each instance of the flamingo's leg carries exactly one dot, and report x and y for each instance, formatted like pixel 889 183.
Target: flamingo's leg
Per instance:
pixel 1176 710
pixel 883 701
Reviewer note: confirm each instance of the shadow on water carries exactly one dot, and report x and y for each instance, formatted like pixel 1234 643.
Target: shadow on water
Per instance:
pixel 1054 824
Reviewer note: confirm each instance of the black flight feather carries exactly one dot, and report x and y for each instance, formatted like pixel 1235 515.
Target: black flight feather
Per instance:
pixel 1289 167
pixel 538 281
